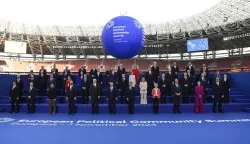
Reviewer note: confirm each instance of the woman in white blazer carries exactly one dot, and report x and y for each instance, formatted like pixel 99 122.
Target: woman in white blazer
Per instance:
pixel 132 79
pixel 143 90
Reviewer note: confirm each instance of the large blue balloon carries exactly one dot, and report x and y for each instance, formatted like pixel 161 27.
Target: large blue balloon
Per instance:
pixel 123 37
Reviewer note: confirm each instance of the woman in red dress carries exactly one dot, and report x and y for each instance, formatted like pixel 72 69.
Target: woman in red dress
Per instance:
pixel 135 71
pixel 67 83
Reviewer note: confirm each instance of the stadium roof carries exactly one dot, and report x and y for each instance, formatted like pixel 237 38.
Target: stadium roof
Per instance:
pixel 225 19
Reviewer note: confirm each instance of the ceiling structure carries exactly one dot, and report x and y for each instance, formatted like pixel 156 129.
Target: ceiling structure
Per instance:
pixel 225 19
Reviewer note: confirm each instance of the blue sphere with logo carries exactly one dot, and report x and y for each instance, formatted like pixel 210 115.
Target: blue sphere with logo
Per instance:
pixel 123 37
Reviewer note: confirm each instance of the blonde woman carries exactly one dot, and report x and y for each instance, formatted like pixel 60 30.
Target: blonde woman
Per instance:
pixel 132 79
pixel 143 90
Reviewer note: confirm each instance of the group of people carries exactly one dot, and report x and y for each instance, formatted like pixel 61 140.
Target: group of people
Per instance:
pixel 154 84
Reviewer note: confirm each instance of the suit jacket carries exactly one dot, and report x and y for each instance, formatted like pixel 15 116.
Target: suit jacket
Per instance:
pixel 120 72
pixel 123 84
pixel 130 93
pixel 71 93
pixel 85 84
pixel 174 70
pixel 52 93
pixel 156 93
pixel 112 77
pixel 207 72
pixel 50 82
pixel 161 83
pixel 82 70
pixel 149 78
pixel 93 72
pixel 94 92
pixel 204 82
pixel 170 79
pixel 217 91
pixel 34 82
pixel 217 76
pixel 176 89
pixel 112 95
pixel 31 93
pixel 155 70
pixel 66 73
pixel 226 85
pixel 98 77
pixel 19 84
pixel 14 93
pixel 44 72
pixel 192 72
pixel 55 72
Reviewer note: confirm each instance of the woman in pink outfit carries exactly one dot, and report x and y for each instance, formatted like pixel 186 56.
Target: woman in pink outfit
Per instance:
pixel 156 94
pixel 199 93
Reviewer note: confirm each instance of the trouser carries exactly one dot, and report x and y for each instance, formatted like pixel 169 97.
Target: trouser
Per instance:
pixel 85 98
pixel 52 105
pixel 14 108
pixel 155 105
pixel 143 98
pixel 131 106
pixel 205 96
pixel 95 107
pixel 219 105
pixel 112 106
pixel 122 93
pixel 42 87
pixel 226 96
pixel 31 105
pixel 71 106
pixel 198 104
pixel 176 107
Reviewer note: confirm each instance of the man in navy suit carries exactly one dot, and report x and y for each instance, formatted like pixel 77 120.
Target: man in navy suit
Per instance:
pixel 71 98
pixel 98 76
pixel 85 88
pixel 217 95
pixel 31 96
pixel 14 97
pixel 111 97
pixel 176 90
pixel 112 76
pixel 130 96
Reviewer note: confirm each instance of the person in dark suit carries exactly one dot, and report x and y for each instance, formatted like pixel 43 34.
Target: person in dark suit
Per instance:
pixel 112 76
pixel 217 75
pixel 217 95
pixel 226 88
pixel 31 97
pixel 32 80
pixel 19 84
pixel 123 84
pixel 149 77
pixel 93 72
pixel 94 95
pixel 121 70
pixel 83 70
pixel 54 71
pixel 204 83
pixel 66 73
pixel 155 69
pixel 51 80
pixel 31 73
pixel 130 96
pixel 163 87
pixel 170 82
pixel 14 98
pixel 85 88
pixel 42 80
pixel 98 76
pixel 185 89
pixel 111 97
pixel 191 68
pixel 204 70
pixel 52 94
pixel 176 90
pixel 175 70
pixel 71 98
pixel 190 79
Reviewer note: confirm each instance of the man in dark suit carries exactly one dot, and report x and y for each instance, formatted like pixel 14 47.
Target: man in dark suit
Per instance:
pixel 98 76
pixel 31 97
pixel 42 80
pixel 175 70
pixel 130 96
pixel 191 68
pixel 112 76
pixel 66 73
pixel 170 82
pixel 32 80
pixel 71 97
pixel 121 70
pixel 82 69
pixel 93 72
pixel 85 88
pixel 163 87
pixel 217 95
pixel 54 71
pixel 155 69
pixel 111 97
pixel 176 90
pixel 19 84
pixel 205 70
pixel 94 95
pixel 190 79
pixel 226 88
pixel 217 75
pixel 52 94
pixel 14 98
pixel 149 77
pixel 123 84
